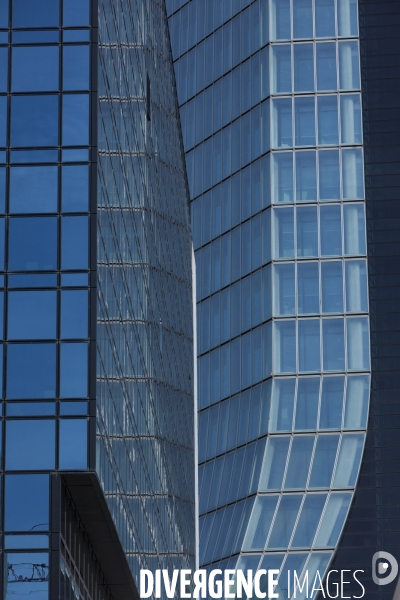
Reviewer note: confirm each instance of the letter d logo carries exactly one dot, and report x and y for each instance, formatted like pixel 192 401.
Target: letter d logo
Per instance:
pixel 380 568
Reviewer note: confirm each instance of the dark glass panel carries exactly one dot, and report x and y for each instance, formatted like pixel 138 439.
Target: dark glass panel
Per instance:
pixel 75 126
pixel 33 189
pixel 32 315
pixel 35 69
pixel 34 121
pixel 74 314
pixel 27 502
pixel 73 444
pixel 75 243
pixel 73 370
pixel 32 244
pixel 31 371
pixel 35 13
pixel 76 67
pixel 30 444
pixel 76 13
pixel 75 188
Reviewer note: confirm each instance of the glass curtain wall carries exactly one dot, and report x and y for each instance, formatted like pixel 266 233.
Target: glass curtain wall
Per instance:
pixel 270 103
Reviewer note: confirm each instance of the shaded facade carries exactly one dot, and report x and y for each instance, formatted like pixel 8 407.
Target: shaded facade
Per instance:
pixel 96 260
pixel 270 102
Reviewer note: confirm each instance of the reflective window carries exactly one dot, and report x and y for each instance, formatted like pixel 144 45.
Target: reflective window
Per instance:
pixel 303 67
pixel 325 18
pixel 307 232
pixel 307 403
pixel 306 177
pixel 4 23
pixel 333 520
pixel 329 176
pixel 75 188
pixel 324 461
pixel 310 515
pixel 281 69
pixel 76 67
pixel 299 462
pixel 20 582
pixel 309 345
pixel 347 17
pixel 328 128
pixel 284 233
pixel 358 344
pixel 282 173
pixel 353 176
pixel 74 314
pixel 282 123
pixel 33 244
pixel 32 315
pixel 3 121
pixel 34 121
pixel 27 503
pixel 331 403
pixel 280 19
pixel 302 19
pixel 3 69
pixel 282 402
pixel 350 117
pixel 35 69
pixel 35 13
pixel 73 444
pixel 30 444
pixel 307 288
pixel 73 370
pixel 274 463
pixel 260 521
pixel 305 121
pixel 76 13
pixel 349 460
pixel 31 371
pixel 332 286
pixel 285 347
pixel 349 66
pixel 2 190
pixel 75 125
pixel 333 344
pixel 284 521
pixel 354 230
pixel 74 243
pixel 326 67
pixel 331 234
pixel 284 290
pixel 33 189
pixel 357 396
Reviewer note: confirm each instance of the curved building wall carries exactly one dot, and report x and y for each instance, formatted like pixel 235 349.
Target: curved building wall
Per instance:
pixel 270 104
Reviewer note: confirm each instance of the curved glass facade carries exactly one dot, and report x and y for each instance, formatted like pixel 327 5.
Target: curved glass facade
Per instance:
pixel 271 115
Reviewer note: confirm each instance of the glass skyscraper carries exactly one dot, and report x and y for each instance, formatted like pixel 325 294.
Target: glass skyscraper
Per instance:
pixel 96 325
pixel 271 110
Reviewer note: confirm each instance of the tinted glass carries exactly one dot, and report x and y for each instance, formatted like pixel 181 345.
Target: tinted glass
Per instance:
pixel 3 69
pixel 74 314
pixel 27 502
pixel 34 121
pixel 75 188
pixel 30 444
pixel 35 13
pixel 32 315
pixel 73 444
pixel 76 13
pixel 33 189
pixel 20 573
pixel 74 243
pixel 31 371
pixel 3 121
pixel 4 14
pixel 35 69
pixel 76 67
pixel 2 189
pixel 75 126
pixel 73 370
pixel 33 244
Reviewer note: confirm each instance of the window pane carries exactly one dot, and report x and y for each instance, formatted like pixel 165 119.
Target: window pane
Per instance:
pixel 299 462
pixel 284 521
pixel 281 69
pixel 3 121
pixel 284 233
pixel 73 444
pixel 282 188
pixel 31 371
pixel 3 68
pixel 284 292
pixel 74 314
pixel 333 344
pixel 35 13
pixel 20 573
pixel 27 503
pixel 333 519
pixel 329 178
pixel 353 176
pixel 2 189
pixel 32 315
pixel 33 189
pixel 280 19
pixel 308 520
pixel 4 22
pixel 326 67
pixel 356 286
pixel 331 403
pixel 306 177
pixel 328 128
pixel 309 345
pixel 357 397
pixel 35 69
pixel 350 117
pixel 302 19
pixel 34 121
pixel 76 67
pixel 33 244
pixel 325 18
pixel 30 445
pixel 274 463
pixel 73 370
pixel 260 521
pixel 282 403
pixel 308 288
pixel 354 230
pixel 75 127
pixel 332 287
pixel 324 461
pixel 358 344
pixel 307 403
pixel 347 18
pixel 349 460
pixel 349 66
pixel 285 347
pixel 305 121
pixel 303 67
pixel 75 243
pixel 76 13
pixel 307 232
pixel 331 234
pixel 282 123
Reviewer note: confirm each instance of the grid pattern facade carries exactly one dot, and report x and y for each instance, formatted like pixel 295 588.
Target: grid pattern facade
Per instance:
pixel 270 104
